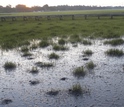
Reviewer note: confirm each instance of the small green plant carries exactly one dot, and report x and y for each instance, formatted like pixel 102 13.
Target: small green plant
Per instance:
pixel 115 42
pixel 34 70
pixel 114 52
pixel 53 56
pixel 79 72
pixel 44 44
pixel 34 46
pixel 88 52
pixel 59 48
pixel 76 90
pixel 86 42
pixel 25 54
pixel 61 42
pixel 9 65
pixel 90 65
pixel 24 49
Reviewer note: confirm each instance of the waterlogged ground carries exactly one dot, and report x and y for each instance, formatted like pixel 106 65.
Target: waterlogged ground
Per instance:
pixel 105 83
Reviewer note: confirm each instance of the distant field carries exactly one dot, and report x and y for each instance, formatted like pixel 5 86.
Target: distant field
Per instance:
pixel 17 33
pixel 63 12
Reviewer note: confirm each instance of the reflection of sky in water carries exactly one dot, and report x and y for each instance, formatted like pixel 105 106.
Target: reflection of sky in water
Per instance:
pixel 105 82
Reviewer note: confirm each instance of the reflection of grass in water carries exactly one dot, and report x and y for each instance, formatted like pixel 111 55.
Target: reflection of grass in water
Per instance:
pixel 115 42
pixel 53 56
pixel 79 72
pixel 114 52
pixel 9 65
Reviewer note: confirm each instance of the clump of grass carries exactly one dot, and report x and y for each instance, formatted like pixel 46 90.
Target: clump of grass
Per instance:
pixel 6 101
pixel 79 72
pixel 43 64
pixel 75 38
pixel 114 52
pixel 86 42
pixel 34 46
pixel 25 54
pixel 53 56
pixel 9 65
pixel 24 49
pixel 44 44
pixel 61 42
pixel 111 34
pixel 34 70
pixel 88 52
pixel 59 48
pixel 76 90
pixel 115 42
pixel 90 65
pixel 52 92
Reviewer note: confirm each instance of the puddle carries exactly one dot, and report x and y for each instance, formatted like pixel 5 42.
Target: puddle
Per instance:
pixel 49 87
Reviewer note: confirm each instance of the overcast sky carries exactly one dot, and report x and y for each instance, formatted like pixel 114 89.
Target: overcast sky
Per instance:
pixel 30 3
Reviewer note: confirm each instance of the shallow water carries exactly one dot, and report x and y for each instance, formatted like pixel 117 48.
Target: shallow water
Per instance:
pixel 105 82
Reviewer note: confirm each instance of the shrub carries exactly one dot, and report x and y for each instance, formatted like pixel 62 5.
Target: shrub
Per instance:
pixel 9 65
pixel 53 56
pixel 79 72
pixel 114 52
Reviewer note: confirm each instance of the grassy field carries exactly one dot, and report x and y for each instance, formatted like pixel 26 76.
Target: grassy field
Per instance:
pixel 17 33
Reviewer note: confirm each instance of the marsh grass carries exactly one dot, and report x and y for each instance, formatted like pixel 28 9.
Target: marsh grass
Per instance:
pixel 61 42
pixel 75 38
pixel 34 46
pixel 26 54
pixel 53 56
pixel 115 52
pixel 9 65
pixel 34 70
pixel 79 72
pixel 90 65
pixel 44 44
pixel 86 42
pixel 88 52
pixel 59 48
pixel 76 90
pixel 115 42
pixel 44 64
pixel 24 49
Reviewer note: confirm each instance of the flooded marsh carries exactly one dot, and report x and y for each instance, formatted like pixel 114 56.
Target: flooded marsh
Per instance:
pixel 41 81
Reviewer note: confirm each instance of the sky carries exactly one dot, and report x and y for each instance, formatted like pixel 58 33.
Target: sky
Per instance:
pixel 30 3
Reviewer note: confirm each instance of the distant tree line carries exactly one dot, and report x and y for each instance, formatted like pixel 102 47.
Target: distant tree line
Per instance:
pixel 24 8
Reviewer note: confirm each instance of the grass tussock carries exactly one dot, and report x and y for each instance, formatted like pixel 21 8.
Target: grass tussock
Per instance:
pixel 90 65
pixel 115 42
pixel 59 48
pixel 115 52
pixel 9 65
pixel 61 42
pixel 26 54
pixel 53 56
pixel 88 52
pixel 44 64
pixel 79 72
pixel 44 44
pixel 86 42
pixel 24 49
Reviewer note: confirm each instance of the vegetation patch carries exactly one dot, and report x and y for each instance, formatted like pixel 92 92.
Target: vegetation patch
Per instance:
pixel 90 65
pixel 61 42
pixel 86 42
pixel 79 72
pixel 26 54
pixel 43 64
pixel 53 56
pixel 115 42
pixel 44 44
pixel 34 70
pixel 6 101
pixel 115 52
pixel 9 65
pixel 59 48
pixel 34 82
pixel 88 52
pixel 24 49
pixel 53 92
